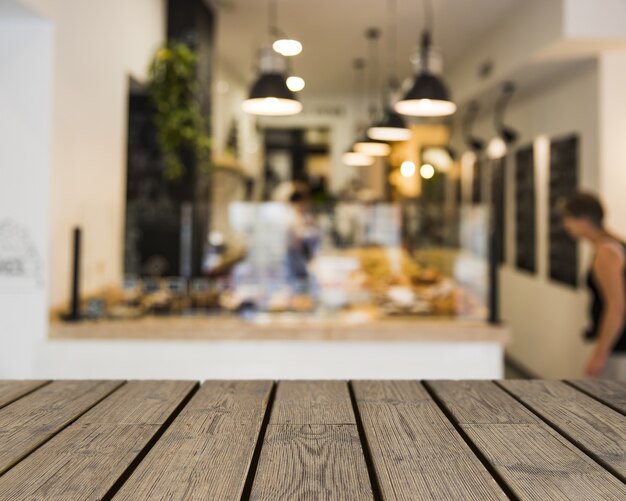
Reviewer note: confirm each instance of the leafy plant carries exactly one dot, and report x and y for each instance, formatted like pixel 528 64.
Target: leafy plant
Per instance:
pixel 180 125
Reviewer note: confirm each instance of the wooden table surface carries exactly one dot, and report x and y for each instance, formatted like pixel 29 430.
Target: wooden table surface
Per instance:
pixel 292 440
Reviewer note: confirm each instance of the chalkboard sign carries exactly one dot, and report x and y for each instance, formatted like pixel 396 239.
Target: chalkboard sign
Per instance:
pixel 477 182
pixel 498 183
pixel 563 259
pixel 525 211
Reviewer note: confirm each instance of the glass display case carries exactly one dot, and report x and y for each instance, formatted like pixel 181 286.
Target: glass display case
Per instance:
pixel 355 261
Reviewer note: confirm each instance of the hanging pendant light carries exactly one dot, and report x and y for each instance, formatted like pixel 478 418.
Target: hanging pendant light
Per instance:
pixel 428 95
pixel 366 144
pixel 269 95
pixel 356 159
pixel 282 44
pixel 372 147
pixel 392 126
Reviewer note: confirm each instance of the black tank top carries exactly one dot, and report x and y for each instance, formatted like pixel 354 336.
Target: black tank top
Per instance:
pixel 597 308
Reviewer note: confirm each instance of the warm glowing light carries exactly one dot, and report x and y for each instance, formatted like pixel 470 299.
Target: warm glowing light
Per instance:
pixel 287 47
pixel 389 133
pixel 427 171
pixel 355 159
pixel 295 84
pixel 496 148
pixel 373 149
pixel 271 106
pixel 438 157
pixel 407 169
pixel 425 108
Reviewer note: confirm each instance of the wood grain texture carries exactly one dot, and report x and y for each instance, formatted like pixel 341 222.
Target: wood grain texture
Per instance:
pixel 12 390
pixel 534 460
pixel 312 448
pixel 596 428
pixel 86 459
pixel 612 393
pixel 207 451
pixel 313 402
pixel 30 421
pixel 416 451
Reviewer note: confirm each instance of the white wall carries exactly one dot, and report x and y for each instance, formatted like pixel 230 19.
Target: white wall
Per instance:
pixel 25 110
pixel 548 318
pixel 98 44
pixel 612 137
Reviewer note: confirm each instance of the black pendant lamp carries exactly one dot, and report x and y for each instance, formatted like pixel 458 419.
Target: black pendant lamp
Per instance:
pixel 366 144
pixel 392 127
pixel 428 95
pixel 269 95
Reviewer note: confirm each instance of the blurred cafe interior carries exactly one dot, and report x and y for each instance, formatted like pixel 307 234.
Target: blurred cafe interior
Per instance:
pixel 303 189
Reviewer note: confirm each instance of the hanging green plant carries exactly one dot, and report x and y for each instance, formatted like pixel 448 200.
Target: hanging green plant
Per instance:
pixel 179 121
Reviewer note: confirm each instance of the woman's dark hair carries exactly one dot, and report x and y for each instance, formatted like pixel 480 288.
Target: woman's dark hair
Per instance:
pixel 583 206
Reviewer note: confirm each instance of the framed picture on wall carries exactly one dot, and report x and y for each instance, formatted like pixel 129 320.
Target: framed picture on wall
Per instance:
pixel 563 257
pixel 525 210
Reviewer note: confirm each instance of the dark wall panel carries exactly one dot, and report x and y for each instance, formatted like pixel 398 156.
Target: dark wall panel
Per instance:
pixel 525 210
pixel 563 259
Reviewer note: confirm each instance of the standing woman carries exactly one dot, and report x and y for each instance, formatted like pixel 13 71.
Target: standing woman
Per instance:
pixel 583 218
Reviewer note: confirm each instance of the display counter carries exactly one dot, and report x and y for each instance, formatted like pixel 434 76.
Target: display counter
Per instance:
pixel 289 348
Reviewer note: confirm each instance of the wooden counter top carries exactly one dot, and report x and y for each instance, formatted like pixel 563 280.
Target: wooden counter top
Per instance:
pixel 302 440
pixel 293 329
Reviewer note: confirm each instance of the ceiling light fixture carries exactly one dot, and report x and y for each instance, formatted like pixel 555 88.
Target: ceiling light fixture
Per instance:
pixel 392 126
pixel 371 147
pixel 356 159
pixel 269 95
pixel 366 144
pixel 287 47
pixel 475 144
pixel 427 171
pixel 407 169
pixel 295 84
pixel 428 95
pixel 282 44
pixel 498 147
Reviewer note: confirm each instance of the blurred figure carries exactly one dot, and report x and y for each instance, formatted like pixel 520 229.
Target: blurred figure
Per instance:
pixel 303 238
pixel 583 218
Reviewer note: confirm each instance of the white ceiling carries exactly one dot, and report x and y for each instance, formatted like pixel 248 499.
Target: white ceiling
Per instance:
pixel 333 33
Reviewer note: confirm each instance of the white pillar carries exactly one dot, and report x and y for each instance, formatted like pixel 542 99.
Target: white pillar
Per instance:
pixel 25 112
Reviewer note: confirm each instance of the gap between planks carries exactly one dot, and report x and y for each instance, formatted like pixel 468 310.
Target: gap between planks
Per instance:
pixel 576 442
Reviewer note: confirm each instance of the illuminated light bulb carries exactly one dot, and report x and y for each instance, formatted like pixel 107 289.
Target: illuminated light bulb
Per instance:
pixel 295 84
pixel 355 159
pixel 271 106
pixel 287 47
pixel 407 169
pixel 427 171
pixel 496 148
pixel 372 148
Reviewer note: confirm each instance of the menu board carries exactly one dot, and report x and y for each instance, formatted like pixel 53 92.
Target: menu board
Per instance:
pixel 563 259
pixel 498 186
pixel 477 182
pixel 525 210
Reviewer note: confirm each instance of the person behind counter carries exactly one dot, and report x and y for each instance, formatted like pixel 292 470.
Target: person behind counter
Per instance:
pixel 583 218
pixel 303 239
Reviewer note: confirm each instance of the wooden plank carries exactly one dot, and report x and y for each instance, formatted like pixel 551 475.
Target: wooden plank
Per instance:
pixel 313 402
pixel 30 421
pixel 12 390
pixel 207 451
pixel 534 460
pixel 86 459
pixel 596 428
pixel 612 393
pixel 416 451
pixel 312 448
